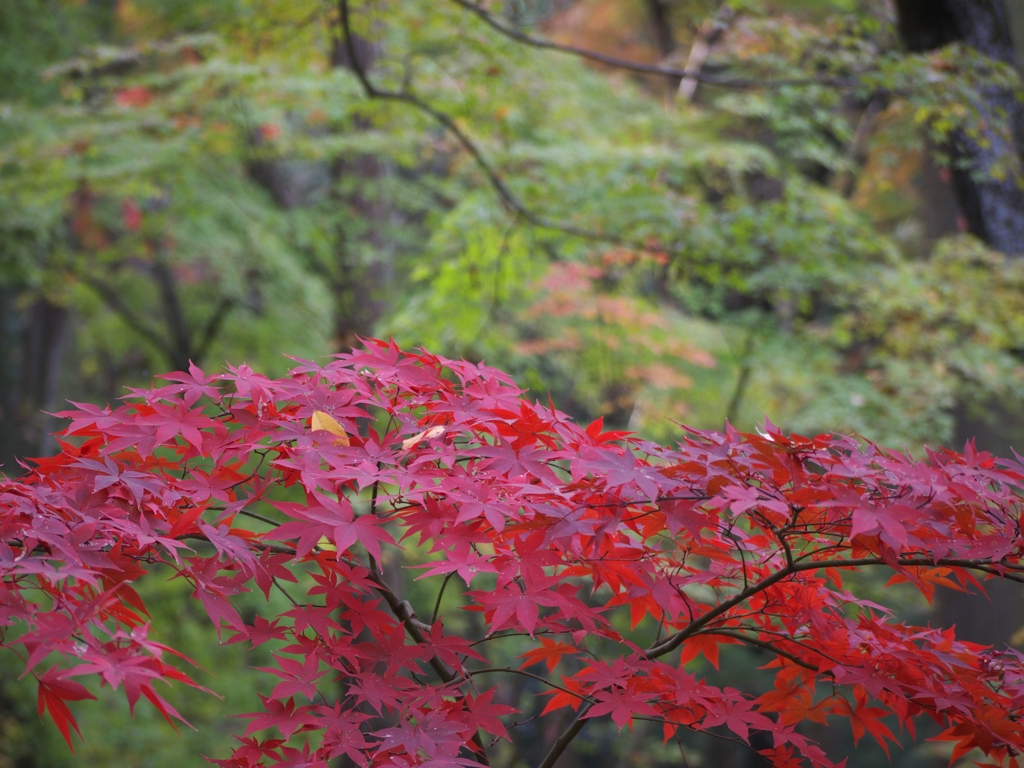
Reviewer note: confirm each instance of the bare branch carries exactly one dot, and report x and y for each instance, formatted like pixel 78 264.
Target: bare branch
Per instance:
pixel 213 327
pixel 645 69
pixel 177 324
pixel 113 301
pixel 507 197
pixel 440 594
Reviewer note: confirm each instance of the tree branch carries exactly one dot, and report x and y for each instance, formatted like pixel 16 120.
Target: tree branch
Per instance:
pixel 404 612
pixel 113 301
pixel 671 643
pixel 213 327
pixel 677 639
pixel 440 594
pixel 645 69
pixel 710 32
pixel 539 678
pixel 507 197
pixel 401 609
pixel 177 325
pixel 680 637
pixel 753 641
pixel 565 738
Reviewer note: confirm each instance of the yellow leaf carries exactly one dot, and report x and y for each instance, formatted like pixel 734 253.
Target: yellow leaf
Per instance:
pixel 325 543
pixel 426 434
pixel 323 422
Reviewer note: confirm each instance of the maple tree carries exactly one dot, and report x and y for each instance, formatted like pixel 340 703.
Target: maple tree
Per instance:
pixel 237 482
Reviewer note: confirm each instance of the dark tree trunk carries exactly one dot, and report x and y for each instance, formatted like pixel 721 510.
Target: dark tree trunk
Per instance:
pixel 992 207
pixel 32 346
pixel 362 283
pixel 9 354
pixel 661 26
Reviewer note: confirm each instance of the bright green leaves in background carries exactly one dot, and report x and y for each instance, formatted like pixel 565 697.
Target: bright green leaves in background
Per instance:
pixel 211 184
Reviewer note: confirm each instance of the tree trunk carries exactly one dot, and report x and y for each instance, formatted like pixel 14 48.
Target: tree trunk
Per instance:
pixel 661 26
pixel 363 284
pixel 992 207
pixel 31 350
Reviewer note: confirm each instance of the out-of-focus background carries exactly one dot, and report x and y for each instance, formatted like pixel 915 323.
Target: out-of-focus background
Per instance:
pixel 825 225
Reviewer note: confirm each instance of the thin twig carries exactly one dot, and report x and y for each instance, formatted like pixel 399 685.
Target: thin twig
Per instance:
pixel 440 593
pixel 261 518
pixel 538 678
pixel 753 641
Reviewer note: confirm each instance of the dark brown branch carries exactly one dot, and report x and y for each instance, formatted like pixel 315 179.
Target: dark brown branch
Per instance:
pixel 489 638
pixel 507 197
pixel 213 327
pixel 415 628
pixel 563 741
pixel 440 594
pixel 677 639
pixel 261 518
pixel 177 325
pixel 113 301
pixel 722 736
pixel 402 610
pixel 645 69
pixel 753 641
pixel 695 626
pixel 671 643
pixel 277 549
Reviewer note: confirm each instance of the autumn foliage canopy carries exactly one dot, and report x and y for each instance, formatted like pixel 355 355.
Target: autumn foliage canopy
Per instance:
pixel 237 482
